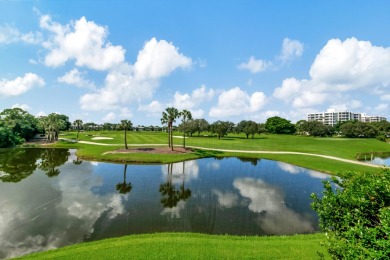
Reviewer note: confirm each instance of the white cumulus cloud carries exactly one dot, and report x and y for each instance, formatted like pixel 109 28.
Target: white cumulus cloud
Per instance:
pixel 10 34
pixel 290 49
pixel 341 67
pixel 236 102
pixel 20 85
pixel 22 106
pixel 76 78
pixel 154 108
pixel 159 59
pixel 109 117
pixel 135 83
pixel 83 41
pixel 255 66
pixel 193 101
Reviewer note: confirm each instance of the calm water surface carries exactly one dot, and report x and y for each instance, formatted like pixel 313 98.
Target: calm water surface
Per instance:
pixel 49 199
pixel 381 161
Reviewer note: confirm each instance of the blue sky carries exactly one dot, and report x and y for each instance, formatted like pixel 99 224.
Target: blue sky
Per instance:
pixel 104 61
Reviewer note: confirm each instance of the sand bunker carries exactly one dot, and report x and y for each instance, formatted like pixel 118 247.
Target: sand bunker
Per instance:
pixel 101 138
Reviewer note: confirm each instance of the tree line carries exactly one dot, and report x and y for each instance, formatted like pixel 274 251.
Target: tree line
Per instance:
pixel 18 126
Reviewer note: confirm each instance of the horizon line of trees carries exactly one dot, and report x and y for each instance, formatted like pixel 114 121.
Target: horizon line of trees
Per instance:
pixel 18 126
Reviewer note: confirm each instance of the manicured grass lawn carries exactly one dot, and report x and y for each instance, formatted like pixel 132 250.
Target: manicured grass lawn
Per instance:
pixel 193 246
pixel 338 147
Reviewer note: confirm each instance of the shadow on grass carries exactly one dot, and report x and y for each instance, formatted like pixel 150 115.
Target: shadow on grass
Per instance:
pixel 206 153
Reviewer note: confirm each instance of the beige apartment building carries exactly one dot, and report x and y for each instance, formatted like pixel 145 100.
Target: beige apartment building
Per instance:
pixel 332 117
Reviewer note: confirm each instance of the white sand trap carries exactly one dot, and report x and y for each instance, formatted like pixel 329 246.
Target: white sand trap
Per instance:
pixel 101 138
pixel 176 136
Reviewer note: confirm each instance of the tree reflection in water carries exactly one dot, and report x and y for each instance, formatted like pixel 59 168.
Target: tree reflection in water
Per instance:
pixel 51 159
pixel 170 195
pixel 18 164
pixel 124 187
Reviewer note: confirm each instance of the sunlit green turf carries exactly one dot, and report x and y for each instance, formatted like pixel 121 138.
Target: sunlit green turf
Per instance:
pixel 338 147
pixel 193 246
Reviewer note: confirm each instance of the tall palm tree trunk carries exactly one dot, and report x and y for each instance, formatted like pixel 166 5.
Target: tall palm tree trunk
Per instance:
pixel 126 139
pixel 171 138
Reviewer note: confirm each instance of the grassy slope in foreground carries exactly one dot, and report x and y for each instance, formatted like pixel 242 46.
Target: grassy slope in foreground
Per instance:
pixel 192 246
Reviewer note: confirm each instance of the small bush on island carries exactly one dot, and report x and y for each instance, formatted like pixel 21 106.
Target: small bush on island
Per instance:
pixel 355 214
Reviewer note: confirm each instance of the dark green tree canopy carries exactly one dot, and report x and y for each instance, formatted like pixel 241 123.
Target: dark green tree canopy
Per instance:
pixel 279 125
pixel 315 128
pixel 221 128
pixel 354 129
pixel 20 122
pixel 247 127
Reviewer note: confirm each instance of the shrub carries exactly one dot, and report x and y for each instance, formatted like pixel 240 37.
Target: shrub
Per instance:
pixel 354 212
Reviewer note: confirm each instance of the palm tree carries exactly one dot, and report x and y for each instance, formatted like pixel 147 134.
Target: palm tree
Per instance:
pixel 124 187
pixel 169 116
pixel 126 124
pixel 78 123
pixel 186 115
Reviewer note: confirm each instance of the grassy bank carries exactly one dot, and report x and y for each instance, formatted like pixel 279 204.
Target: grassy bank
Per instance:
pixel 192 246
pixel 338 147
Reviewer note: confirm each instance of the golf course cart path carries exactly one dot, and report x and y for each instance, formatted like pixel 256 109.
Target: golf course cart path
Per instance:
pixel 286 152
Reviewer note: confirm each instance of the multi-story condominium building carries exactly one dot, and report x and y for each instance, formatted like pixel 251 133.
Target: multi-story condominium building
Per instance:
pixel 332 117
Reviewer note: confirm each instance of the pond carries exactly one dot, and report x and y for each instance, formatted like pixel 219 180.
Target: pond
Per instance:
pixel 49 198
pixel 381 161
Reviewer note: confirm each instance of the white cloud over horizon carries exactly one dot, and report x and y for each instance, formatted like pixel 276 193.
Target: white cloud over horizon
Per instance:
pixel 340 68
pixel 237 102
pixel 20 85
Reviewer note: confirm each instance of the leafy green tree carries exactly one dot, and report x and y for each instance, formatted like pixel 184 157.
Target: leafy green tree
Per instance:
pixel 221 128
pixel 169 116
pixel 126 124
pixel 201 125
pixel 20 122
pixel 355 214
pixel 261 128
pixel 124 187
pixel 66 124
pixel 78 123
pixel 316 128
pixel 185 115
pixel 300 127
pixel 247 127
pixel 279 125
pixel 52 124
pixel 353 129
pixel 7 138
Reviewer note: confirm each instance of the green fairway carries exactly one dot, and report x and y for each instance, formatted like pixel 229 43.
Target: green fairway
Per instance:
pixel 193 246
pixel 344 148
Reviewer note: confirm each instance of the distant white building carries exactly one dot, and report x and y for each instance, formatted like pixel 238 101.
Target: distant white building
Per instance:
pixel 332 117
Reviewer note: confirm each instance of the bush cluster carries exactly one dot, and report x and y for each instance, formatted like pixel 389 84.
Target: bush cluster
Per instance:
pixel 354 211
